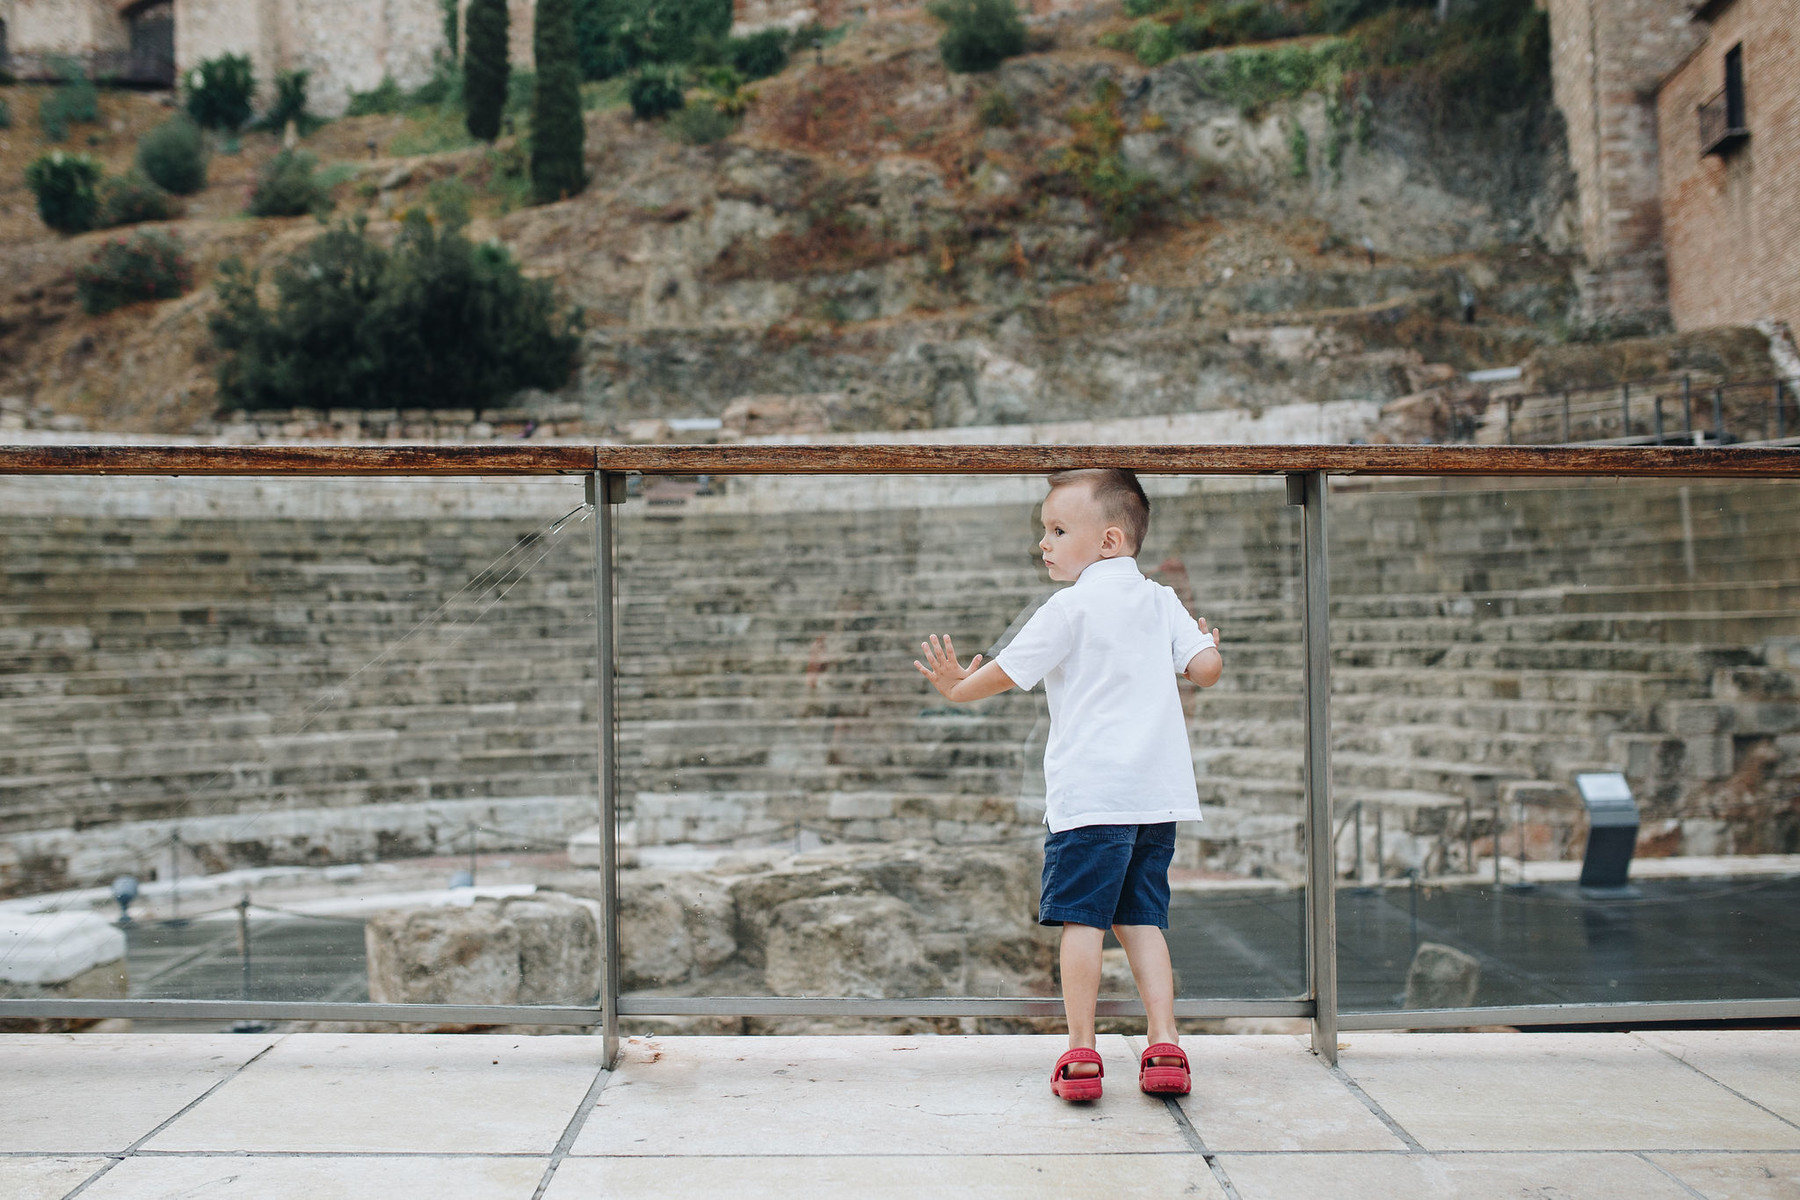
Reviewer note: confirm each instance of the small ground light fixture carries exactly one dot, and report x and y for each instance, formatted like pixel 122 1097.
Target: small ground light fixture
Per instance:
pixel 125 890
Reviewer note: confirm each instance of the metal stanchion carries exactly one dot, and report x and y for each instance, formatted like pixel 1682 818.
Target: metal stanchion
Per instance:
pixel 1308 491
pixel 606 489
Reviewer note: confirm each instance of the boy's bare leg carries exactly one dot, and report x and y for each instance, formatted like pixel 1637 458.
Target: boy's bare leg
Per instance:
pixel 1081 989
pixel 1148 952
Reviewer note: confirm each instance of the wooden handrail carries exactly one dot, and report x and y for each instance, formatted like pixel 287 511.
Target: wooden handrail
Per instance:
pixel 889 459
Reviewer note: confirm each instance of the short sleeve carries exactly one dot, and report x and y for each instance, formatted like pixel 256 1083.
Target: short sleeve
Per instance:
pixel 1185 638
pixel 1035 650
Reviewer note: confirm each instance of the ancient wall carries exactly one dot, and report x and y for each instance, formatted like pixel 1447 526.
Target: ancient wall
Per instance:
pixel 1607 59
pixel 39 30
pixel 1732 221
pixel 521 19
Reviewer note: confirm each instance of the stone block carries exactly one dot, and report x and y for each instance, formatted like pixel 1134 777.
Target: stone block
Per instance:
pixel 849 946
pixel 537 949
pixel 1442 977
pixel 847 805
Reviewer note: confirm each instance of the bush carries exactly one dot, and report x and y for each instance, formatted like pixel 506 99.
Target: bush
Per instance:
pixel 5 115
pixel 760 55
pixel 614 37
pixel 384 97
pixel 173 155
pixel 435 322
pixel 131 199
pixel 995 108
pixel 655 94
pixel 979 34
pixel 558 132
pixel 151 266
pixel 701 124
pixel 290 104
pixel 65 188
pixel 289 186
pixel 74 100
pixel 1124 198
pixel 485 68
pixel 219 92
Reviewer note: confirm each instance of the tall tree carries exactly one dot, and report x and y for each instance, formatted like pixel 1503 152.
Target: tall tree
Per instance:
pixel 557 132
pixel 485 67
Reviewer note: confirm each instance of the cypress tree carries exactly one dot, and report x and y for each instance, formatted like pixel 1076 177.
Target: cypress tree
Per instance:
pixel 557 132
pixel 485 67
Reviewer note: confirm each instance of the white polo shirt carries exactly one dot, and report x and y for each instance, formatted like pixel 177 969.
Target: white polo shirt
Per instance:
pixel 1108 649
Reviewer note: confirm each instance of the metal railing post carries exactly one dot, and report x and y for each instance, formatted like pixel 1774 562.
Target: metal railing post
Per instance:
pixel 1565 416
pixel 1719 416
pixel 1780 416
pixel 1624 410
pixel 1308 489
pixel 606 489
pixel 1687 407
pixel 1659 419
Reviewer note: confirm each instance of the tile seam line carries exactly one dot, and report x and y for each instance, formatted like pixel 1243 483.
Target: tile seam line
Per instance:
pixel 1381 1114
pixel 1704 1075
pixel 572 1130
pixel 113 1160
pixel 1673 1178
pixel 1189 1134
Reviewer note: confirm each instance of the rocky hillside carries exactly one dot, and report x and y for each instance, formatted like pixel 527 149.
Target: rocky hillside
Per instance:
pixel 883 244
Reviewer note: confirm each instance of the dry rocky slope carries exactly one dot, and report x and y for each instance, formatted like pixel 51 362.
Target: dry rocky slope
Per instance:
pixel 868 249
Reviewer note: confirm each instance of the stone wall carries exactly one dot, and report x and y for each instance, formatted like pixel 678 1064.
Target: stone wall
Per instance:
pixel 39 30
pixel 1607 59
pixel 1733 221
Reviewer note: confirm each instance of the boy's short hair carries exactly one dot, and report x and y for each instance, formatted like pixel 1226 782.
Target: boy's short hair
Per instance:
pixel 1120 497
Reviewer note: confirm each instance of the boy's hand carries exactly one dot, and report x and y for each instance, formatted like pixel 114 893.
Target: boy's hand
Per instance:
pixel 1218 635
pixel 940 665
pixel 1204 668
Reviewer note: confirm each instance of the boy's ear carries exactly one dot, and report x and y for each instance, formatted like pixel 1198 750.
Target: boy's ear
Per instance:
pixel 1112 542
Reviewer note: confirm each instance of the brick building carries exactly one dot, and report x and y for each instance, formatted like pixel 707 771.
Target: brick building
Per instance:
pixel 1729 118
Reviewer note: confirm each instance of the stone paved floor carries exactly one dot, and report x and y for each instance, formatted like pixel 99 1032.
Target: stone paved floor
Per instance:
pixel 1572 1116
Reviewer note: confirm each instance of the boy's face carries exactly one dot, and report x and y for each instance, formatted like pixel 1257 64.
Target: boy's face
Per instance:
pixel 1076 534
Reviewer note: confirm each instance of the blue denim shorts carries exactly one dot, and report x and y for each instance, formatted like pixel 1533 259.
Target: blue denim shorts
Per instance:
pixel 1106 875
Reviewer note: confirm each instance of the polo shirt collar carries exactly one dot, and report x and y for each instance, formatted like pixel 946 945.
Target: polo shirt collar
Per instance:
pixel 1109 568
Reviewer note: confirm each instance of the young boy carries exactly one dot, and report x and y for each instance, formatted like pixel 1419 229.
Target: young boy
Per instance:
pixel 1118 768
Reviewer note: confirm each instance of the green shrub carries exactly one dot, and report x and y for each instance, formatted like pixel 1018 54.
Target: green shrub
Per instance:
pixel 655 94
pixel 1123 198
pixel 173 155
pixel 1253 77
pixel 150 266
pixel 558 133
pixel 1152 42
pixel 995 108
pixel 219 92
pixel 290 104
pixel 485 68
pixel 5 115
pixel 289 186
pixel 435 322
pixel 450 200
pixel 701 124
pixel 74 100
pixel 1298 148
pixel 614 37
pixel 760 55
pixel 384 97
pixel 131 199
pixel 65 188
pixel 979 34
pixel 1143 8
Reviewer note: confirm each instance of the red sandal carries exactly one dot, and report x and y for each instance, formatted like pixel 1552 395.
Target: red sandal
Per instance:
pixel 1164 1080
pixel 1080 1087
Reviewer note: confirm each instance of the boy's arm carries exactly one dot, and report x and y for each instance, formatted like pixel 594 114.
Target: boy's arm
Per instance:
pixel 1204 669
pixel 955 682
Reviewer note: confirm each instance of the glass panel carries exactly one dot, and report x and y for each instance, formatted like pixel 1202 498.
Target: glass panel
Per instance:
pixel 808 817
pixel 1497 646
pixel 278 707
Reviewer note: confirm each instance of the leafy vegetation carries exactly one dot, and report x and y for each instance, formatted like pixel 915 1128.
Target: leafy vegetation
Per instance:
pixel 385 97
pixel 996 109
pixel 615 37
pixel 66 189
pixel 173 155
pixel 485 68
pixel 289 186
pixel 290 105
pixel 436 321
pixel 219 92
pixel 701 124
pixel 760 55
pixel 978 34
pixel 656 94
pixel 74 100
pixel 131 199
pixel 1123 198
pixel 149 266
pixel 557 130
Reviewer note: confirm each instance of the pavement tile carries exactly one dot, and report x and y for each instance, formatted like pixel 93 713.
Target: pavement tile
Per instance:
pixel 1763 1064
pixel 374 1093
pixel 1273 1093
pixel 154 1177
pixel 1552 1091
pixel 49 1178
pixel 880 1177
pixel 98 1092
pixel 1736 1176
pixel 867 1095
pixel 1448 1177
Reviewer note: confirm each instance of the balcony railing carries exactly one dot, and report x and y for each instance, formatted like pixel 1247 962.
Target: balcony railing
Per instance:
pixel 1718 135
pixel 1306 470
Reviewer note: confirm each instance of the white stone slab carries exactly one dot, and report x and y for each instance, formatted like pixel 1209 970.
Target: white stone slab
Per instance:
pixel 82 1093
pixel 1025 1177
pixel 1763 1064
pixel 1272 1093
pixel 1736 1176
pixel 1552 1091
pixel 374 1093
pixel 282 1178
pixel 44 1178
pixel 1451 1177
pixel 50 948
pixel 867 1095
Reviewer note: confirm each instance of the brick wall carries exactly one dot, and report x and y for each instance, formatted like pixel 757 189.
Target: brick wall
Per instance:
pixel 1732 223
pixel 1607 58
